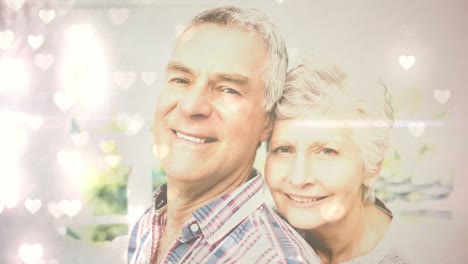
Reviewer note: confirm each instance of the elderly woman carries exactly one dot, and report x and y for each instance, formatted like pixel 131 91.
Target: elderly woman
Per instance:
pixel 324 157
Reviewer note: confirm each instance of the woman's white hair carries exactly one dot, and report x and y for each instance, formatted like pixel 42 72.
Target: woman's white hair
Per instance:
pixel 253 20
pixel 365 106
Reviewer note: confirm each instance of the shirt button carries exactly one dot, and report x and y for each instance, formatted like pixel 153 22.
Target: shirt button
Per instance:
pixel 194 227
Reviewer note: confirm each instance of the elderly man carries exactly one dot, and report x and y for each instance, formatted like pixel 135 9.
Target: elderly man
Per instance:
pixel 223 79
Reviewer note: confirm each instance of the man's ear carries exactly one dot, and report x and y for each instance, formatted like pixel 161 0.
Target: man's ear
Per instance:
pixel 371 178
pixel 267 127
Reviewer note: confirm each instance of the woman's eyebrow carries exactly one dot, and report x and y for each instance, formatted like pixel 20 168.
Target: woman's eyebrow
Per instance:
pixel 280 142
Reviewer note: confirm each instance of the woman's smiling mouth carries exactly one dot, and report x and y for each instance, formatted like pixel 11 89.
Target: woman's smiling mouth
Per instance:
pixel 305 201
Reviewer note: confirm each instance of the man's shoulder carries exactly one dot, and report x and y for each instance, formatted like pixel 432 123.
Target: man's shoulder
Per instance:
pixel 265 216
pixel 275 234
pixel 142 226
pixel 145 219
pixel 140 237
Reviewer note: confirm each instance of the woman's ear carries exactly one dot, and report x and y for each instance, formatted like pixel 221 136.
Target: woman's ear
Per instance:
pixel 372 177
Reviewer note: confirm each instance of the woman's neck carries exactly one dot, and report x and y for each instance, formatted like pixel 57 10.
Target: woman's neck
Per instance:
pixel 357 234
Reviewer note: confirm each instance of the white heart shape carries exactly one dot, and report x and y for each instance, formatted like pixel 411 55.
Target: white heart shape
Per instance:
pixel 124 79
pixel 30 253
pixel 43 61
pixel 118 15
pixel 113 160
pixel 407 62
pixel 80 139
pixel 161 151
pixel 54 209
pixel 417 128
pixel 6 39
pixel 14 5
pixel 148 77
pixel 107 146
pixel 134 124
pixel 33 205
pixel 35 41
pixel 63 101
pixel 442 96
pixel 47 15
pixel 70 207
pixel 62 230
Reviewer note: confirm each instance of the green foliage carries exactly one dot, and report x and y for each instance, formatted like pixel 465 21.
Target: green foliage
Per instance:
pixel 103 233
pixel 117 125
pixel 107 193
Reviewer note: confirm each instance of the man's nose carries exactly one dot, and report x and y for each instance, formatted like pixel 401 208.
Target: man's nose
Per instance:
pixel 196 101
pixel 300 176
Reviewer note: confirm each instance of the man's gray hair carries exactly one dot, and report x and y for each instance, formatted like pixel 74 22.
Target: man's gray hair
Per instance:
pixel 253 20
pixel 364 105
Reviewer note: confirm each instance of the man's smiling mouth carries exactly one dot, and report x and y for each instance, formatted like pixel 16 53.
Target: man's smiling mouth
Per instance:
pixel 194 139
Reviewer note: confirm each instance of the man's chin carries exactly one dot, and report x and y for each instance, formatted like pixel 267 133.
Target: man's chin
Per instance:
pixel 183 174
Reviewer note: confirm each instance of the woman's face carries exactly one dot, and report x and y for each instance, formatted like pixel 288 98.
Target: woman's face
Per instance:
pixel 314 170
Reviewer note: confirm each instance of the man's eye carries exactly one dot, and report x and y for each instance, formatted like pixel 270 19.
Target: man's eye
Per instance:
pixel 327 151
pixel 282 150
pixel 229 90
pixel 179 80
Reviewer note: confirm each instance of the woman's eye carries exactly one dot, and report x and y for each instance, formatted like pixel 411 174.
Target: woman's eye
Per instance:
pixel 327 151
pixel 282 150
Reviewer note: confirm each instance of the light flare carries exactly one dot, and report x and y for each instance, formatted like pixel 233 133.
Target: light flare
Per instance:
pixel 13 77
pixel 85 74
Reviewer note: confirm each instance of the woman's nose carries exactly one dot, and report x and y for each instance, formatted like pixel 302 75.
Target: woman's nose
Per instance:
pixel 300 176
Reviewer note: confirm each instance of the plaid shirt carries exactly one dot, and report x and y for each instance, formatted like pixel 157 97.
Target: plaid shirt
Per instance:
pixel 235 228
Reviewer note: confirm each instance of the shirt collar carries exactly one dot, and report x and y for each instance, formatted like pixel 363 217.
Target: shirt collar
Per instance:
pixel 221 215
pixel 160 197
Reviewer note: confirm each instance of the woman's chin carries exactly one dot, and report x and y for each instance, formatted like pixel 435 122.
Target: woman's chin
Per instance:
pixel 305 220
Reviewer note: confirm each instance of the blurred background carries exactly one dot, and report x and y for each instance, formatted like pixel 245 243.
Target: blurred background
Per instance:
pixel 79 81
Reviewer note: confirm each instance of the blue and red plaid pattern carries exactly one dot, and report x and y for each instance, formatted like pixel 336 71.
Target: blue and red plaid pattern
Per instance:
pixel 235 228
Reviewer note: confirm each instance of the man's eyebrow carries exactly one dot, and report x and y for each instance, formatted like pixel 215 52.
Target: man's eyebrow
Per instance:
pixel 177 66
pixel 235 78
pixel 228 77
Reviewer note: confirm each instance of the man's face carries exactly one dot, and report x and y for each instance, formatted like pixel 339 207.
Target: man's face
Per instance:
pixel 210 113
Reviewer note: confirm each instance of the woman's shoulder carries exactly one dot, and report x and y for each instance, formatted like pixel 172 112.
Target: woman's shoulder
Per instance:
pixel 410 239
pixel 415 239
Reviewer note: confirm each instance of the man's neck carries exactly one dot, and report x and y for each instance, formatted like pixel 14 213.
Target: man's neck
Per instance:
pixel 183 198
